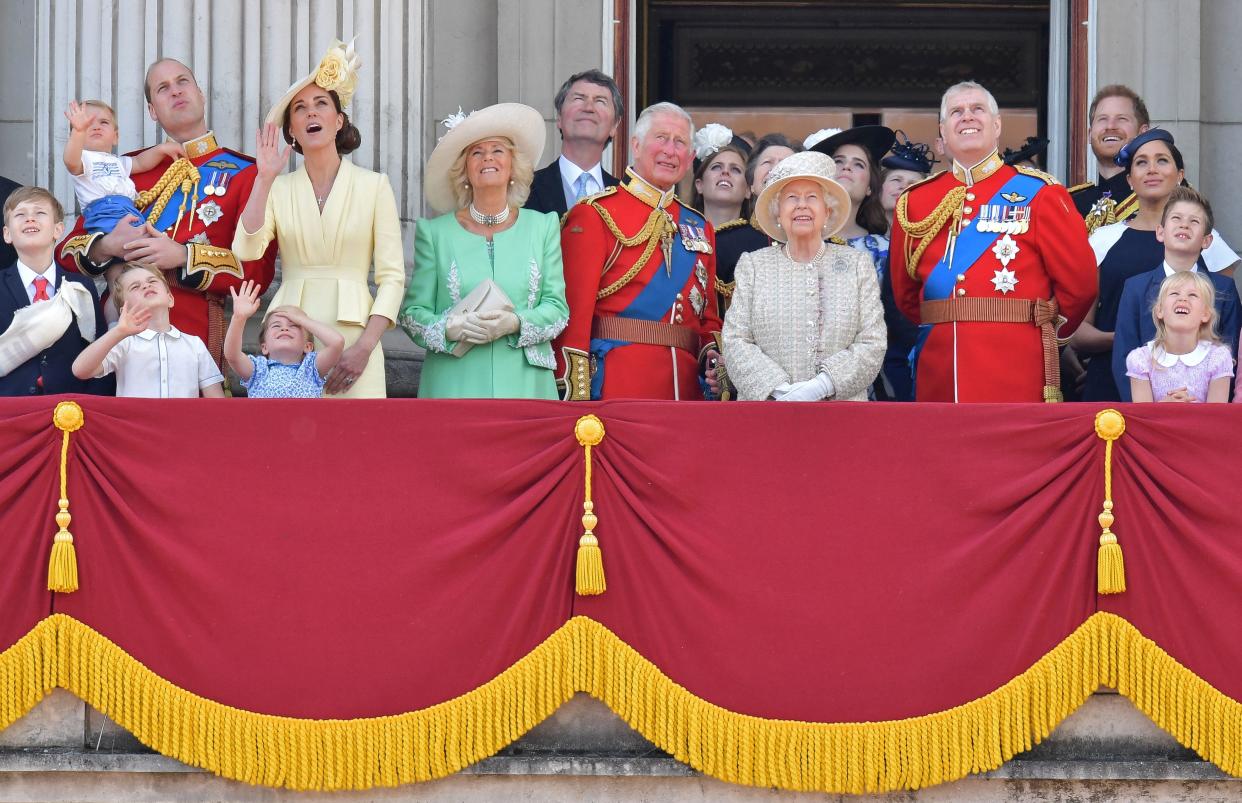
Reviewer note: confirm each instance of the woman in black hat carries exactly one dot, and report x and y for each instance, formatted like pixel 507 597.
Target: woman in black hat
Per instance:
pixel 907 163
pixel 1154 167
pixel 857 152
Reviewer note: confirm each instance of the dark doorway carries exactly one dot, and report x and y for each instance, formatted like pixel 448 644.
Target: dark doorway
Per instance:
pixel 797 67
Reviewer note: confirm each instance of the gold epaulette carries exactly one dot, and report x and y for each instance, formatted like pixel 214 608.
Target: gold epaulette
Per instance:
pixel 1127 208
pixel 927 180
pixel 685 205
pixel 1080 187
pixel 211 260
pixel 732 224
pixel 1047 178
pixel 604 193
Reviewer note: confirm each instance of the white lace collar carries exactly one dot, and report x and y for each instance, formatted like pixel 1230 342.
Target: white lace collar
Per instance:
pixel 1169 360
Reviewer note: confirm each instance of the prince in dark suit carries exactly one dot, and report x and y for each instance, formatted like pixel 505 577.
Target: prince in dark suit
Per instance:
pixel 44 344
pixel 588 106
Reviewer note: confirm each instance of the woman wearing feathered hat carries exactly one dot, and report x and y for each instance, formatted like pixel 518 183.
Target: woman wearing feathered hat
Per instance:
pixel 488 294
pixel 806 322
pixel 333 222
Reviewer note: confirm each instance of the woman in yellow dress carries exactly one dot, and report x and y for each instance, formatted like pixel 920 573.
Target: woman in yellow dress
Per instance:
pixel 333 221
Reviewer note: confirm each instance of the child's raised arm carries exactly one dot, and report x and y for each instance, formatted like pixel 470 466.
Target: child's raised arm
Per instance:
pixel 333 342
pixel 80 118
pixel 132 322
pixel 152 158
pixel 245 304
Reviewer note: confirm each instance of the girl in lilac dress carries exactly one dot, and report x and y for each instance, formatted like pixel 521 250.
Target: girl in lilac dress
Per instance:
pixel 1186 361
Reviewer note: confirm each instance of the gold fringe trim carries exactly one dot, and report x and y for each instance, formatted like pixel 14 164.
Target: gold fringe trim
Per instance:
pixel 583 655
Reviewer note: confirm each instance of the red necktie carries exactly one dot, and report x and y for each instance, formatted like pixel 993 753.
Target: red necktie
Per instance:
pixel 40 289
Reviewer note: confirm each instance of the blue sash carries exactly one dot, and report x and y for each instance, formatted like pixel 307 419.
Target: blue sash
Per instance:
pixel 215 171
pixel 970 245
pixel 653 302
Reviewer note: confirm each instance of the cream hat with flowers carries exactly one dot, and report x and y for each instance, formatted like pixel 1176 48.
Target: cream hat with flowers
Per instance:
pixel 517 122
pixel 337 72
pixel 809 166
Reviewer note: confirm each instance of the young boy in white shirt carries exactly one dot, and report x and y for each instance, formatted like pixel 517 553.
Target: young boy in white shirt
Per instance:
pixel 151 357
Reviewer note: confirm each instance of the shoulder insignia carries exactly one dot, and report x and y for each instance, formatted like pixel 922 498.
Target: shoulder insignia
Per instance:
pixel 1047 178
pixel 927 180
pixel 688 207
pixel 1080 187
pixel 732 224
pixel 246 159
pixel 590 199
pixel 222 164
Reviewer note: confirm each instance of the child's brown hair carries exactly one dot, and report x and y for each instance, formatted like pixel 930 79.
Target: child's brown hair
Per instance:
pixel 118 294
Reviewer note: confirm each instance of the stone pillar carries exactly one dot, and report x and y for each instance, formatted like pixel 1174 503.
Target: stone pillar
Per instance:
pixel 1221 127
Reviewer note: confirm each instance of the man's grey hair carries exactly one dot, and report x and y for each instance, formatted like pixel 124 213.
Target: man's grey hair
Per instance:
pixel 962 87
pixel 597 77
pixel 643 124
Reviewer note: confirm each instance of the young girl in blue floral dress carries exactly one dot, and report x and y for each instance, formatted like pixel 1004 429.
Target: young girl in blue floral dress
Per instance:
pixel 289 367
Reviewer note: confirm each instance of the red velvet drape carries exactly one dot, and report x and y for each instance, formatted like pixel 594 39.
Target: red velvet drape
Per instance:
pixel 832 563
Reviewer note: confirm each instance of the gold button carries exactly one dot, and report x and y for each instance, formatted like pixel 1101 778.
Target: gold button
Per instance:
pixel 961 291
pixel 679 296
pixel 970 196
pixel 967 210
pixel 961 277
pixel 678 318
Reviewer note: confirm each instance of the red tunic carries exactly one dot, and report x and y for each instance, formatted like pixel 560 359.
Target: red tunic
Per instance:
pixel 200 286
pixel 994 362
pixel 594 260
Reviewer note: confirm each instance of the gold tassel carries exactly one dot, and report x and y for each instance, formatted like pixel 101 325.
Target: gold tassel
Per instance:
pixel 1110 563
pixel 62 567
pixel 589 572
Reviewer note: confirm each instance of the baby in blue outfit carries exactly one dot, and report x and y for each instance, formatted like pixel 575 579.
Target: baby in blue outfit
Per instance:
pixel 289 367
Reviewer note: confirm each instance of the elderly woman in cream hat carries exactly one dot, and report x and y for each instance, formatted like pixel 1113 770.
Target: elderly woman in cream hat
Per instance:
pixel 333 221
pixel 806 322
pixel 488 294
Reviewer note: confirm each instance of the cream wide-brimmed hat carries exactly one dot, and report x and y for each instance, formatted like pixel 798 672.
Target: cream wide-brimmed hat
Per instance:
pixel 517 122
pixel 811 166
pixel 337 72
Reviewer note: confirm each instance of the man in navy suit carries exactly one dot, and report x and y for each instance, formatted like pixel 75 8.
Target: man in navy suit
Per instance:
pixel 588 108
pixel 37 348
pixel 1185 229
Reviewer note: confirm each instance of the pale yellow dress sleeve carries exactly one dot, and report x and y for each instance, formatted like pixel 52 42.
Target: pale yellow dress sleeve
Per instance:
pixel 252 245
pixel 389 255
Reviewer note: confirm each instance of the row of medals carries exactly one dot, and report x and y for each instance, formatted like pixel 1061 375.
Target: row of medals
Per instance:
pixel 995 219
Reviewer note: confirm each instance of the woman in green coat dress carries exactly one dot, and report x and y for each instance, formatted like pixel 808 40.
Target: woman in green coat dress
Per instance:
pixel 488 294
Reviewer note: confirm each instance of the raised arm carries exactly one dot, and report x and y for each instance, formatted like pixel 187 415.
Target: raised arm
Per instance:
pixel 133 320
pixel 270 161
pixel 152 158
pixel 245 304
pixel 80 117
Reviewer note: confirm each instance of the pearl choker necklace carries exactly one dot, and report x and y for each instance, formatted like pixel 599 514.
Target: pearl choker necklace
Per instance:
pixel 489 220
pixel 822 247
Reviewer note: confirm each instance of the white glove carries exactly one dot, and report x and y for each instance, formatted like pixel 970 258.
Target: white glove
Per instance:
pixel 814 389
pixel 465 327
pixel 498 323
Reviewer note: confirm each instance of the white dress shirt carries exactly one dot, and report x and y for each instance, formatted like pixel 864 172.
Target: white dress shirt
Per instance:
pixel 29 274
pixel 161 365
pixel 569 180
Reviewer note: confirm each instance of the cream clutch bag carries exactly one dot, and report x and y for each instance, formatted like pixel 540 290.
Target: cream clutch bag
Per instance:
pixel 485 297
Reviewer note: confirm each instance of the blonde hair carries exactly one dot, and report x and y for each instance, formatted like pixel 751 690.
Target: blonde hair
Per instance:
pixel 99 104
pixel 1207 329
pixel 118 293
pixel 521 174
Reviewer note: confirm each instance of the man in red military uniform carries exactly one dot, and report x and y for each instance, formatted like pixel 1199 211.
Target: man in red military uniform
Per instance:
pixel 988 259
pixel 197 205
pixel 639 273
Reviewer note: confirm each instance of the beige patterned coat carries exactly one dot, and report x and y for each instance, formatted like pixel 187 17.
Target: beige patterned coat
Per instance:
pixel 789 321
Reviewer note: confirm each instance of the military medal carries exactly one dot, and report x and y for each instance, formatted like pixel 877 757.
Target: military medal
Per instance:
pixel 700 274
pixel 222 187
pixel 1005 250
pixel 200 238
pixel 696 300
pixel 1004 280
pixel 209 189
pixel 209 212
